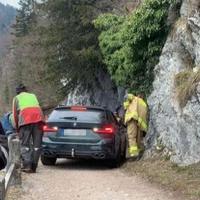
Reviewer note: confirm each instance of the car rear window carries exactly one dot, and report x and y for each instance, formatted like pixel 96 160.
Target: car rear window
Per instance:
pixel 90 116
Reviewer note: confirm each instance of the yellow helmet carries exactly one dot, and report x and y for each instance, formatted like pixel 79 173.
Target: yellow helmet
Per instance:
pixel 129 97
pixel 126 105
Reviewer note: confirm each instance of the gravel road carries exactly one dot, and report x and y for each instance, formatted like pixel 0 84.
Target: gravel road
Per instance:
pixel 81 180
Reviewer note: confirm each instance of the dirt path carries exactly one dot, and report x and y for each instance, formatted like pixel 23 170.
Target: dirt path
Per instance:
pixel 76 180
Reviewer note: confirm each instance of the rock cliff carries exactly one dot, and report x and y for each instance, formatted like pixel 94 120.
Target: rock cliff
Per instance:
pixel 102 93
pixel 174 128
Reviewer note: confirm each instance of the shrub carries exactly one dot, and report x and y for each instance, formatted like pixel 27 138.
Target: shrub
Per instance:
pixel 131 45
pixel 186 83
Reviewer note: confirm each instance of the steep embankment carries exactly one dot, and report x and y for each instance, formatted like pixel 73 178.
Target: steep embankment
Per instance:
pixel 175 101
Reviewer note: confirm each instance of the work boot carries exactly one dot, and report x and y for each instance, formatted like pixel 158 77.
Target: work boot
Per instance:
pixel 133 151
pixel 27 170
pixel 138 156
pixel 34 167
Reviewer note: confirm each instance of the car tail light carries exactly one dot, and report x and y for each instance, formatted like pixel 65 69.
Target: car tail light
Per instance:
pixel 78 108
pixel 106 129
pixel 47 128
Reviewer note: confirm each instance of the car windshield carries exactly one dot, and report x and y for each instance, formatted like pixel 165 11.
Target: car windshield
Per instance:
pixel 89 116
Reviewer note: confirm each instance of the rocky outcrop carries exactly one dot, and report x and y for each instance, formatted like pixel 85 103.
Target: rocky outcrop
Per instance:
pixel 103 93
pixel 173 129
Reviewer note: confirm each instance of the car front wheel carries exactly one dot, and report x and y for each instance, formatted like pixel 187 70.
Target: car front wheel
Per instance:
pixel 48 160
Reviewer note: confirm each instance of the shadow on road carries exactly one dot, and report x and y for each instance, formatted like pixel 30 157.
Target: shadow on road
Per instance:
pixel 67 164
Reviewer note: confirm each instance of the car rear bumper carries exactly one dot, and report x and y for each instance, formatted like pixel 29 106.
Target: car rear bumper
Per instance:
pixel 102 150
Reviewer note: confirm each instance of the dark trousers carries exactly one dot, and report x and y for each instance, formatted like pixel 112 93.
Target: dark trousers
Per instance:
pixel 31 139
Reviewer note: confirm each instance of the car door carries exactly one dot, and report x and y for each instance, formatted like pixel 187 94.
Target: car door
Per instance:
pixel 121 132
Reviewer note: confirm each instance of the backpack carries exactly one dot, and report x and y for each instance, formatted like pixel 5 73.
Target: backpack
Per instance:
pixel 6 124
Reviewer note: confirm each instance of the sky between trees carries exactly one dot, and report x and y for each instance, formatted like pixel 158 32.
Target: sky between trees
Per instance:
pixel 10 2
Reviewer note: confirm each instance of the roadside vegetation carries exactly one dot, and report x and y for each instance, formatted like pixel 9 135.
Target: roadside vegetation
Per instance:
pixel 186 83
pixel 55 48
pixel 56 40
pixel 183 180
pixel 131 44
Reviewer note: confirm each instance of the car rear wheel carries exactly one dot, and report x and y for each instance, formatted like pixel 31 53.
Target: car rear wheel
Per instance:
pixel 48 160
pixel 116 162
pixel 123 156
pixel 113 163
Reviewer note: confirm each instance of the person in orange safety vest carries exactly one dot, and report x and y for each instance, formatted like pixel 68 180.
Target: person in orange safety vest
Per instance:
pixel 28 120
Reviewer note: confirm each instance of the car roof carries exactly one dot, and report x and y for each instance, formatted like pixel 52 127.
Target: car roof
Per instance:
pixel 60 107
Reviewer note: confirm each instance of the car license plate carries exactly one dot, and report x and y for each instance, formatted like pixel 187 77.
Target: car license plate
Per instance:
pixel 74 132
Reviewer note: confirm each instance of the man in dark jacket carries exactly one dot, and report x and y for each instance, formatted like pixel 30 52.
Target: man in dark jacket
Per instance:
pixel 28 119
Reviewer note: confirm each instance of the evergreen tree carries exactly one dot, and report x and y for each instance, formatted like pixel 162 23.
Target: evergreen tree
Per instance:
pixel 7 15
pixel 25 18
pixel 71 41
pixel 57 43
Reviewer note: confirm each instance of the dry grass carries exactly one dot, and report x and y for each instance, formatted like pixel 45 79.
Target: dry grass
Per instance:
pixel 186 83
pixel 185 180
pixel 180 25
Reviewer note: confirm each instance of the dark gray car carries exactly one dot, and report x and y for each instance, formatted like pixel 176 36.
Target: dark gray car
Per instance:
pixel 83 132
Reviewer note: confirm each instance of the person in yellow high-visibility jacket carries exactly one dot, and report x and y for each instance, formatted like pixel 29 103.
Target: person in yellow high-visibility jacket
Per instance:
pixel 136 121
